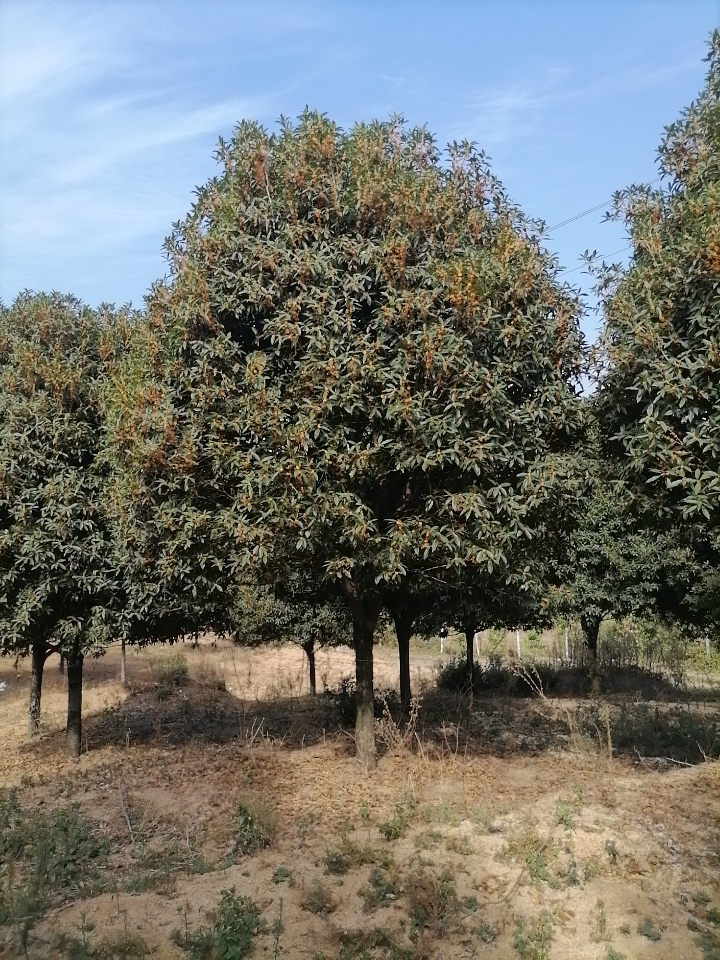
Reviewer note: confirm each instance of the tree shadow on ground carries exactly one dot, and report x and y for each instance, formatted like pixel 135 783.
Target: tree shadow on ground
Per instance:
pixel 443 721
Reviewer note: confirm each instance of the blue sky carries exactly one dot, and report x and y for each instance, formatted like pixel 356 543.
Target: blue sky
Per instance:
pixel 110 111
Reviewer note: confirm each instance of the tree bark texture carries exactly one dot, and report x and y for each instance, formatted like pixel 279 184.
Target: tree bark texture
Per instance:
pixel 61 667
pixel 123 670
pixel 39 655
pixel 365 612
pixel 309 649
pixel 403 630
pixel 74 711
pixel 591 629
pixel 469 661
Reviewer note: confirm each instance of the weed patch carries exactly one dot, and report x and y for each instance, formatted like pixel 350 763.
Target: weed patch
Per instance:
pixel 282 875
pixel 647 929
pixel 396 826
pixel 254 828
pixel 600 930
pixel 172 670
pixel 708 944
pixel 45 859
pixel 336 863
pixel 237 922
pixel 532 940
pixel 382 888
pixel 318 900
pixel 673 733
pixel 432 901
pixel 527 847
pixel 377 942
pixel 126 948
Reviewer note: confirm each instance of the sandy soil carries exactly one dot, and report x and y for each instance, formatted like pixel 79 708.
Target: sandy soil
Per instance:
pixel 602 847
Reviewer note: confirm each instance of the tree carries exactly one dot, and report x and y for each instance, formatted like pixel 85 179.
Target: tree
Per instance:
pixel 659 391
pixel 369 365
pixel 267 615
pixel 483 600
pixel 58 576
pixel 614 566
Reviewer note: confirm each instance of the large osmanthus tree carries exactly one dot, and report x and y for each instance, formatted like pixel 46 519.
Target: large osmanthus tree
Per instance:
pixel 60 579
pixel 659 397
pixel 368 376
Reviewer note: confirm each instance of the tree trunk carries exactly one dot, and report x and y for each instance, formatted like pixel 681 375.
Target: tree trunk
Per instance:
pixel 123 671
pixel 567 644
pixel 591 629
pixel 403 630
pixel 309 649
pixel 39 655
pixel 469 663
pixel 517 644
pixel 365 612
pixel 61 667
pixel 74 711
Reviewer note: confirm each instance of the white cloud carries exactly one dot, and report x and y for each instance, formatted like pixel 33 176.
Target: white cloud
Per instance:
pixel 96 153
pixel 511 112
pixel 43 51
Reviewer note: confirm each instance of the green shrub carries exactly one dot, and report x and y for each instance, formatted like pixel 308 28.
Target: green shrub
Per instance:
pixel 237 921
pixel 345 701
pixel 533 643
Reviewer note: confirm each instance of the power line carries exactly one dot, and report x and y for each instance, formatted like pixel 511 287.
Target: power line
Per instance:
pixel 603 257
pixel 578 216
pixel 586 213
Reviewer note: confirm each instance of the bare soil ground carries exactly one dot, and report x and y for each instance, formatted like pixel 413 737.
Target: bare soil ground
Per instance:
pixel 509 829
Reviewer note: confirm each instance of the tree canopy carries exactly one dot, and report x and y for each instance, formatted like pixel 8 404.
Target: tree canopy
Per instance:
pixel 613 565
pixel 310 619
pixel 659 399
pixel 60 584
pixel 370 366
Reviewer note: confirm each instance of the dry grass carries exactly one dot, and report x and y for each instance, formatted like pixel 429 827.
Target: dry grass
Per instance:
pixel 513 823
